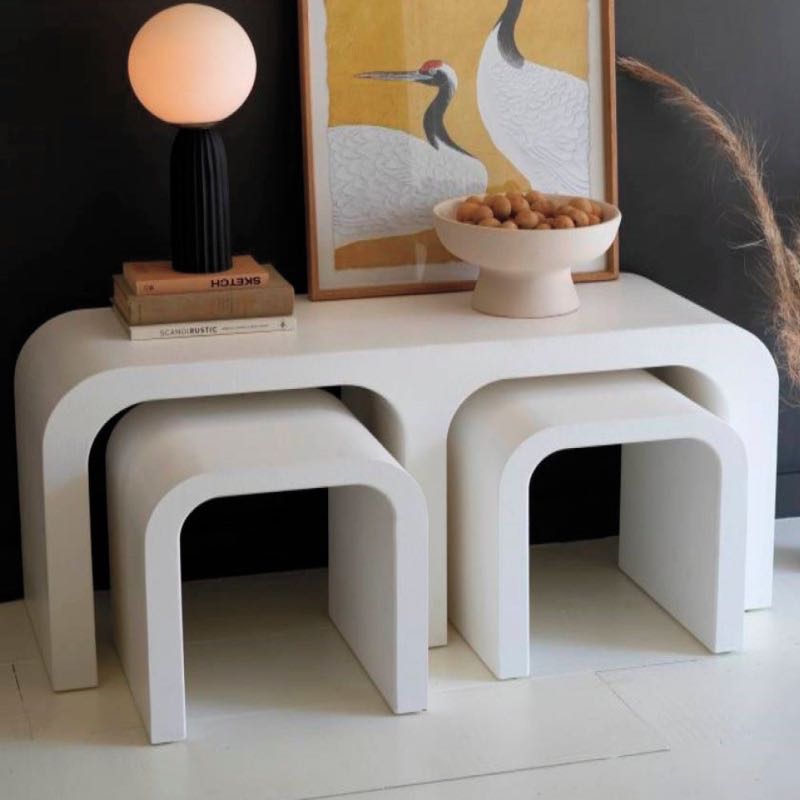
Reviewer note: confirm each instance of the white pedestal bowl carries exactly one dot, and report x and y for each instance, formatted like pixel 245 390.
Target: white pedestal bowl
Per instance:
pixel 523 273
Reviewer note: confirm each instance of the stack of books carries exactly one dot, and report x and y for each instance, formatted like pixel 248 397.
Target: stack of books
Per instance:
pixel 153 301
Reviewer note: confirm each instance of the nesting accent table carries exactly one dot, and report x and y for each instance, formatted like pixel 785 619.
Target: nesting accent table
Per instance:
pixel 407 365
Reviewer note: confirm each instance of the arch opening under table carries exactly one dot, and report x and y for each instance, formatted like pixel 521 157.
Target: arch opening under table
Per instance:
pixel 585 613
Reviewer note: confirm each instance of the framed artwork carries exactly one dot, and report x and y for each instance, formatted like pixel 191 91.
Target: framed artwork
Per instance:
pixel 410 102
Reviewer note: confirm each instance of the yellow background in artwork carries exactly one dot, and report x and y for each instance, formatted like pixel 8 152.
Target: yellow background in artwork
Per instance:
pixel 392 35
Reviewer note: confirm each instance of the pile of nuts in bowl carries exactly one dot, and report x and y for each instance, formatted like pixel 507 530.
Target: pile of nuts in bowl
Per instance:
pixel 531 211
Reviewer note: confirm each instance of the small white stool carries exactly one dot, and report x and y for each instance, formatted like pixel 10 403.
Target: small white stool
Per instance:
pixel 682 541
pixel 166 458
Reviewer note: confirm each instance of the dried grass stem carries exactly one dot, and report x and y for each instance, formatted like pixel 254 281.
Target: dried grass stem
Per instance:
pixel 739 148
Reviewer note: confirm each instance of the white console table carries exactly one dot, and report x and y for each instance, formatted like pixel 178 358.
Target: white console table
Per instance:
pixel 411 363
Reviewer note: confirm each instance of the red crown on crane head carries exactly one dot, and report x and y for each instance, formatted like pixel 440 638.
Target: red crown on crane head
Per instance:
pixel 430 66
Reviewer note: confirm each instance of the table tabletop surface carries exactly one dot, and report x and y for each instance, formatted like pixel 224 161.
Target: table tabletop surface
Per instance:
pixel 632 303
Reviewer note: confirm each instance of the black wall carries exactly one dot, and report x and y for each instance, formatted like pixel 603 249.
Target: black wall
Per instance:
pixel 83 187
pixel 682 222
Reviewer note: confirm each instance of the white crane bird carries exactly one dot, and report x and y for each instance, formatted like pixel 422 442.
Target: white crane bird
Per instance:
pixel 537 117
pixel 385 182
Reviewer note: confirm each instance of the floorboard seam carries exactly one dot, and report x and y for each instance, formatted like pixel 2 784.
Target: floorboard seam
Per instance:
pixel 656 664
pixel 655 731
pixel 28 722
pixel 477 775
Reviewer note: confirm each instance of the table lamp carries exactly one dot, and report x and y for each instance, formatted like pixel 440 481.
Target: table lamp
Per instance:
pixel 192 65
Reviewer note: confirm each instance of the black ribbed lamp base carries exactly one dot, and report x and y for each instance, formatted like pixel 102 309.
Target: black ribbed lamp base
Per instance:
pixel 200 202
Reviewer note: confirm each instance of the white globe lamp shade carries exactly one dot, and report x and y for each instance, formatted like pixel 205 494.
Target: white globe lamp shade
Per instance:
pixel 192 65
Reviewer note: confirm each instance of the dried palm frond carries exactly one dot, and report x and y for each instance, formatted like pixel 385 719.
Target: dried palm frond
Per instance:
pixel 739 148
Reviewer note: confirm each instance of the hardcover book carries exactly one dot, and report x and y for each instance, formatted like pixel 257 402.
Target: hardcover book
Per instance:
pixel 158 277
pixel 276 298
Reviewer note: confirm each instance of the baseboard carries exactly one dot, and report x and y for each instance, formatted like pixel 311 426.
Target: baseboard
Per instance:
pixel 788 526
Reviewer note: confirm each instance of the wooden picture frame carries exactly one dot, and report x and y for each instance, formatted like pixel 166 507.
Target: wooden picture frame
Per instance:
pixel 337 108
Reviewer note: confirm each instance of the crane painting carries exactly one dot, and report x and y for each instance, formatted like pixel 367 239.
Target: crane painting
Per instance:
pixel 384 182
pixel 537 116
pixel 410 102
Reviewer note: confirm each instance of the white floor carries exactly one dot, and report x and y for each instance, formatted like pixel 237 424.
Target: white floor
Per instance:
pixel 623 704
